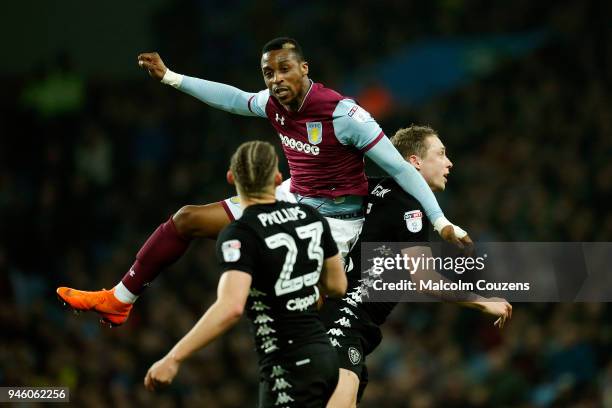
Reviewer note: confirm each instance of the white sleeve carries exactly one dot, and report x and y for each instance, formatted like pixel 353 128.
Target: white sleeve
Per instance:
pixel 258 102
pixel 354 126
pixel 224 97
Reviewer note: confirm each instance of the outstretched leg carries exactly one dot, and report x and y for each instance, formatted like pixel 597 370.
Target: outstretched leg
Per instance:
pixel 164 247
pixel 168 244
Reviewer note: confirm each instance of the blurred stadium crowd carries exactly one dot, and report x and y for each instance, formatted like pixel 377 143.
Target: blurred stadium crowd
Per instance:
pixel 90 166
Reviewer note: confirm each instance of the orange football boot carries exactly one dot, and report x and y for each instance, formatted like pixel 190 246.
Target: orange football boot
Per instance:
pixel 103 302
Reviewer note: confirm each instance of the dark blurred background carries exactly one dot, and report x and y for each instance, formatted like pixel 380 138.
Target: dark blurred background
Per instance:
pixel 94 155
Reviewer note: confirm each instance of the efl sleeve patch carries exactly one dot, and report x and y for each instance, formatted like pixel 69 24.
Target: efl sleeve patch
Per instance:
pixel 359 114
pixel 231 250
pixel 354 126
pixel 414 220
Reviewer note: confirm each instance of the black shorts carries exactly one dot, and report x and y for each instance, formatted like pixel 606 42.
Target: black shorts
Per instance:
pixel 303 378
pixel 352 334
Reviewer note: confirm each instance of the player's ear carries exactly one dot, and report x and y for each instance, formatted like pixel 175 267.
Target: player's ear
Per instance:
pixel 230 177
pixel 304 68
pixel 278 179
pixel 415 161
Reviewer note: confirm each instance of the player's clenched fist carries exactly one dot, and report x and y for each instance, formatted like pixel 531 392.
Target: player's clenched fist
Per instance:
pixel 161 373
pixel 152 62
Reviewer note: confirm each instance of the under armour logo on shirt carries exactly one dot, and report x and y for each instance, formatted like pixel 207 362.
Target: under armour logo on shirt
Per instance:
pixel 280 119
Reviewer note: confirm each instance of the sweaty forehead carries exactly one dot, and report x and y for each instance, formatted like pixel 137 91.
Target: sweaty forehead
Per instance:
pixel 276 57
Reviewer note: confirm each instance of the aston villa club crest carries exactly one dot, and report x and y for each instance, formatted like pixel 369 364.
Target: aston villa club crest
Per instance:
pixel 315 132
pixel 414 220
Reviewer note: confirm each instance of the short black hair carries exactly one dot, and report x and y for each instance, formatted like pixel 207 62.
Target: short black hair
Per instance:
pixel 284 43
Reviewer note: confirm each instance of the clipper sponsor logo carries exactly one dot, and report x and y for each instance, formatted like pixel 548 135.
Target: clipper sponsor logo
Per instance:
pixel 303 303
pixel 299 146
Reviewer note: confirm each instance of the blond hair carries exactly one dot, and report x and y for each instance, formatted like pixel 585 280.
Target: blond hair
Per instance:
pixel 412 140
pixel 254 165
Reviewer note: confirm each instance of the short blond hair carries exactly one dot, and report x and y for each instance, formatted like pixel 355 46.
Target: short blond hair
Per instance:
pixel 412 140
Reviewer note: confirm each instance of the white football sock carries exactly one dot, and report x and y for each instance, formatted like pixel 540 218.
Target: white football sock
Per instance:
pixel 123 294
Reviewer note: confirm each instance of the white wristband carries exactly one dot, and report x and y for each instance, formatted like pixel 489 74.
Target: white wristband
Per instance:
pixel 440 223
pixel 172 78
pixel 459 232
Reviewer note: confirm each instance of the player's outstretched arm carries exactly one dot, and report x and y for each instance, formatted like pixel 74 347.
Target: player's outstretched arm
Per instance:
pixel 497 307
pixel 232 294
pixel 354 126
pixel 494 306
pixel 424 273
pixel 215 94
pixel 333 281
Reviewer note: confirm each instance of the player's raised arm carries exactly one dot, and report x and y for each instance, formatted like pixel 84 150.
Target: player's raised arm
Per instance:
pixel 215 94
pixel 232 294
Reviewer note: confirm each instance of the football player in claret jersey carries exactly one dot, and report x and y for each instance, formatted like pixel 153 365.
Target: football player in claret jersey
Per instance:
pixel 392 216
pixel 324 136
pixel 274 260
